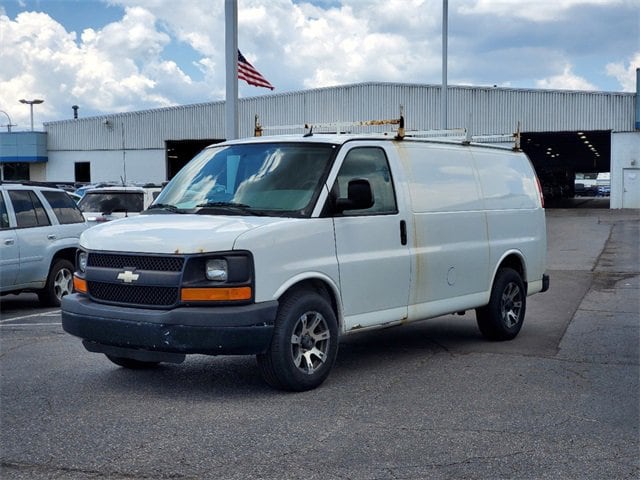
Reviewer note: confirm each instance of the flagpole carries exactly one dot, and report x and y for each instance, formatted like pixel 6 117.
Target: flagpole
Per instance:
pixel 444 107
pixel 231 68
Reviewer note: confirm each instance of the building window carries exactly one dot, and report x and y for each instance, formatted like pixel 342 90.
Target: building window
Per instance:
pixel 15 171
pixel 83 172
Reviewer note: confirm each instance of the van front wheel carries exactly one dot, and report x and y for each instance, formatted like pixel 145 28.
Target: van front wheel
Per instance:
pixel 502 317
pixel 304 344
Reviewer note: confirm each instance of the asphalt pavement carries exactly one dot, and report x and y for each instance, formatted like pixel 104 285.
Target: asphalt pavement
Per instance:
pixel 427 400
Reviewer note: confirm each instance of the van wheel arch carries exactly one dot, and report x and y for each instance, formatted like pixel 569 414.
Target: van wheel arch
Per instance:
pixel 515 262
pixel 321 288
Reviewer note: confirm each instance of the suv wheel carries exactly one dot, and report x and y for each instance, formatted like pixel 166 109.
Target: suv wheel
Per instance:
pixel 59 283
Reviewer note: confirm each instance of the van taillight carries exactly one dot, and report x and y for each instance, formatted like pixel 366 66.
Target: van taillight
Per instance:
pixel 540 191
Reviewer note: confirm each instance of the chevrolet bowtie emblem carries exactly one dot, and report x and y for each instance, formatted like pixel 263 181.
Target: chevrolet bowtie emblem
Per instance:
pixel 128 276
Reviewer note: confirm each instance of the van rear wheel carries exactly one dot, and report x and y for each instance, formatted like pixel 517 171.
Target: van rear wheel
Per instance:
pixel 304 344
pixel 502 317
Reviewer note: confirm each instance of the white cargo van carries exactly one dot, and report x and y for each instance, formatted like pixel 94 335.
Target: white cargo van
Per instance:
pixel 277 246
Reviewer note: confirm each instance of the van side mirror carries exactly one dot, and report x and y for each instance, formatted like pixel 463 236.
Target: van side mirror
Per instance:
pixel 359 196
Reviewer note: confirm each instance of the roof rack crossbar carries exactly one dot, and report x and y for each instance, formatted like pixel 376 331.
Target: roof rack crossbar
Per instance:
pixel 259 128
pixel 448 133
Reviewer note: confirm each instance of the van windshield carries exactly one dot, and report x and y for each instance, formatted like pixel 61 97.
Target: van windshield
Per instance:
pixel 282 179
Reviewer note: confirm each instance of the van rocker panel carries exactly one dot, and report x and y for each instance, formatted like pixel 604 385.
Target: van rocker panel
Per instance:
pixel 225 330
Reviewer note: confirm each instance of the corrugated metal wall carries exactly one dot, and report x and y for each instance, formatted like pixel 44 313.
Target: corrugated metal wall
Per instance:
pixel 482 110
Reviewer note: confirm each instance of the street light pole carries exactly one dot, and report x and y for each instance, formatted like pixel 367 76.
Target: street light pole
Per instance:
pixel 31 103
pixel 9 125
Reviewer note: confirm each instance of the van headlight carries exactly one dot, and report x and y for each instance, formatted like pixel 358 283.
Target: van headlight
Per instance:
pixel 222 277
pixel 217 270
pixel 82 260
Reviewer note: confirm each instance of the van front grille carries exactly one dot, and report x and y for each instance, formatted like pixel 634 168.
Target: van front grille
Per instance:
pixel 152 296
pixel 140 262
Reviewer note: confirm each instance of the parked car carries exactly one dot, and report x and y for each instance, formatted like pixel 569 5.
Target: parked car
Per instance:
pixel 80 191
pixel 109 203
pixel 582 190
pixel 76 198
pixel 603 183
pixel 39 232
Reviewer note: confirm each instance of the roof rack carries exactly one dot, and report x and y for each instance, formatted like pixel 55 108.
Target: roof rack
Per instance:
pixel 498 138
pixel 337 128
pixel 258 128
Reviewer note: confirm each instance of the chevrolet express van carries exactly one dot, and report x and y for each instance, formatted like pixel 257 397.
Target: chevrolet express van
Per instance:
pixel 278 246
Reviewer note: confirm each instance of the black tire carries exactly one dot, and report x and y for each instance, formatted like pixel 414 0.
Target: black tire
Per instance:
pixel 131 363
pixel 304 344
pixel 59 283
pixel 502 317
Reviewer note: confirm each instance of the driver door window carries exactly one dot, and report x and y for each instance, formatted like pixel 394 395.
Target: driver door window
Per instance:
pixel 369 163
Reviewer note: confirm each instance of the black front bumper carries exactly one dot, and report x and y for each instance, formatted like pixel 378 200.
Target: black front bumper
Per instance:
pixel 241 330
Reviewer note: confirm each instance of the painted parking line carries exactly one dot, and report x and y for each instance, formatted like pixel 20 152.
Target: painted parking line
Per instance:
pixel 54 313
pixel 30 324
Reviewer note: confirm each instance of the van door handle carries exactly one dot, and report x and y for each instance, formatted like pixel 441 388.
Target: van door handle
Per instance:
pixel 8 241
pixel 403 232
pixel 51 236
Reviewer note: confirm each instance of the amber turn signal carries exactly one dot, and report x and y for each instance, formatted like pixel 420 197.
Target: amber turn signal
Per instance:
pixel 79 284
pixel 215 294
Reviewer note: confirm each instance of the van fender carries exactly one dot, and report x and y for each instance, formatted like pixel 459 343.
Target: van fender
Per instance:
pixel 514 259
pixel 311 278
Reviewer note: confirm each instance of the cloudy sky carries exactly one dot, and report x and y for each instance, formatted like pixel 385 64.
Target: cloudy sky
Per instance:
pixel 112 56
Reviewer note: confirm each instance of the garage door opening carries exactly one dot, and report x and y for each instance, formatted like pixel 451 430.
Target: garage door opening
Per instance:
pixel 573 167
pixel 179 152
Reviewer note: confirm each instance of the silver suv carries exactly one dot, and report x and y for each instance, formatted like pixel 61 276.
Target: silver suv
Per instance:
pixel 39 232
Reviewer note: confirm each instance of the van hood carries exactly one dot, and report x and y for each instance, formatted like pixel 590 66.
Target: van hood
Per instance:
pixel 171 233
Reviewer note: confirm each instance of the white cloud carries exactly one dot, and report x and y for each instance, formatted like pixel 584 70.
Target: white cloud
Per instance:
pixel 116 68
pixel 538 11
pixel 625 74
pixel 567 80
pixel 135 36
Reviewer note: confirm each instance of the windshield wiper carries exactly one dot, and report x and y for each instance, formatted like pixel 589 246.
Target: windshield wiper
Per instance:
pixel 227 207
pixel 165 206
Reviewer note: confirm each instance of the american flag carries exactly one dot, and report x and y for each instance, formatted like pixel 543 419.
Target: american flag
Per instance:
pixel 249 74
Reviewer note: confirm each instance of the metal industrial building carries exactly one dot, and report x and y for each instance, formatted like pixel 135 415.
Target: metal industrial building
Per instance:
pixel 563 132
